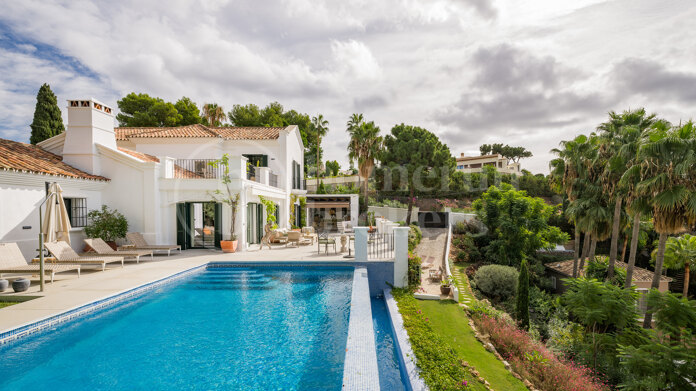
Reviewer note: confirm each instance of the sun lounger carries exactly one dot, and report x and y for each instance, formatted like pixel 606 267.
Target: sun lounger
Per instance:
pixel 12 261
pixel 102 248
pixel 137 239
pixel 64 254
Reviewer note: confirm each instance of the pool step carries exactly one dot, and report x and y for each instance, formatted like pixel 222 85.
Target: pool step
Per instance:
pixel 216 287
pixel 231 279
pixel 264 281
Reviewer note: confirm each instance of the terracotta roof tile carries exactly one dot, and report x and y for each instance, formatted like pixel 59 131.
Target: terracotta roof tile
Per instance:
pixel 30 158
pixel 639 274
pixel 200 131
pixel 139 155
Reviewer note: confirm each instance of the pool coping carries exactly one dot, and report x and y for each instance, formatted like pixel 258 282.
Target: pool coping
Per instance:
pixel 360 369
pixel 407 360
pixel 31 327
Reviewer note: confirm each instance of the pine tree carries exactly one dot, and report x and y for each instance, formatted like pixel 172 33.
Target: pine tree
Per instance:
pixel 48 121
pixel 522 312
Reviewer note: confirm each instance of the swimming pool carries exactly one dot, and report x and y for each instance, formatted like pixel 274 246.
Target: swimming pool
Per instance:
pixel 221 328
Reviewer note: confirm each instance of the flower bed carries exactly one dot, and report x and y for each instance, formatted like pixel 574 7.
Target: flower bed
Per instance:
pixel 533 361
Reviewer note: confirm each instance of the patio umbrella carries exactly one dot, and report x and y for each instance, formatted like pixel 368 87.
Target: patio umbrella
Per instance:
pixel 55 225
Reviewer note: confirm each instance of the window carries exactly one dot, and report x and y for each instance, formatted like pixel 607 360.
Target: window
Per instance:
pixel 553 282
pixel 77 211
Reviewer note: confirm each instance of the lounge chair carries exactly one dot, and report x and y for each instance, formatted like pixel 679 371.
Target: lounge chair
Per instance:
pixel 137 239
pixel 12 261
pixel 64 254
pixel 294 237
pixel 326 241
pixel 435 275
pixel 102 248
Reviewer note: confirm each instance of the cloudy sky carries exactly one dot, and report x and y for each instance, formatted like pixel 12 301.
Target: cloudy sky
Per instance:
pixel 527 73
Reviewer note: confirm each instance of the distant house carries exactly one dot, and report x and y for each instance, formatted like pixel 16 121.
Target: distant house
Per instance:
pixel 642 278
pixel 468 164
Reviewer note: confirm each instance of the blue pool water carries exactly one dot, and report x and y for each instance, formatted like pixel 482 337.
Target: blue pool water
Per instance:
pixel 390 375
pixel 256 328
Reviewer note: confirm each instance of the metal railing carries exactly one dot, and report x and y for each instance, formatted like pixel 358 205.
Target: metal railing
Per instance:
pixel 196 169
pixel 272 179
pixel 299 184
pixel 380 246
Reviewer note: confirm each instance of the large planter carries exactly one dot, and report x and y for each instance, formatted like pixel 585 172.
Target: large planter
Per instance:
pixel 4 284
pixel 20 284
pixel 228 246
pixel 445 289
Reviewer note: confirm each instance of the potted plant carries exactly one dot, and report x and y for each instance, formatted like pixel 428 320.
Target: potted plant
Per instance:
pixel 107 225
pixel 230 198
pixel 445 286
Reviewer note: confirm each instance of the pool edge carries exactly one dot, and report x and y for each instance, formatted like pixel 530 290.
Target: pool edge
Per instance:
pixel 360 369
pixel 407 359
pixel 31 327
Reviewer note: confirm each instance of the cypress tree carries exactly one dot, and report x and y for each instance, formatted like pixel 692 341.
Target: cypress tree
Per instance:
pixel 522 310
pixel 48 121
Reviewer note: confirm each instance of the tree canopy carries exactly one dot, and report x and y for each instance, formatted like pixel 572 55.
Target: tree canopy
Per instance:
pixel 419 155
pixel 517 224
pixel 48 121
pixel 141 110
pixel 513 154
pixel 332 167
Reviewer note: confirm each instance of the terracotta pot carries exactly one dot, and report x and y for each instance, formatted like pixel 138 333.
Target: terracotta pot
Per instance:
pixel 228 246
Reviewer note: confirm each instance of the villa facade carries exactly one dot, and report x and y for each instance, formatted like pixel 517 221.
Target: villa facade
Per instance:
pixel 470 164
pixel 160 179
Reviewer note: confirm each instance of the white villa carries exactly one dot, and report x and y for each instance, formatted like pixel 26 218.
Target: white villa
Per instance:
pixel 158 178
pixel 469 164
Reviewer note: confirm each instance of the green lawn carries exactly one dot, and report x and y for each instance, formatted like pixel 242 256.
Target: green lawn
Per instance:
pixel 452 325
pixel 7 303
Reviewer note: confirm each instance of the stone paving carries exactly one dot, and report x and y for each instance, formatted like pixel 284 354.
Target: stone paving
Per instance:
pixel 431 249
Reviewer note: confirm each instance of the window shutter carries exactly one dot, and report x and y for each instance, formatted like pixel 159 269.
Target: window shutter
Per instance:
pixel 218 224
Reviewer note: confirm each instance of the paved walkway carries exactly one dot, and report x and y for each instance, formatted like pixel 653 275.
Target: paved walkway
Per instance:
pixel 431 249
pixel 68 291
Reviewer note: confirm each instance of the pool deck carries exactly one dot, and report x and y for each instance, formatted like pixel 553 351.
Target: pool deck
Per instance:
pixel 68 291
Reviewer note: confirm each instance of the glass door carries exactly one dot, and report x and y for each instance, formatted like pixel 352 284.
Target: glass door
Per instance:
pixel 198 224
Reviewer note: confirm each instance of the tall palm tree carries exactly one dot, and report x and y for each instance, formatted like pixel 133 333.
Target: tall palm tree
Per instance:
pixel 666 163
pixel 214 114
pixel 319 127
pixel 617 148
pixel 364 146
pixel 679 254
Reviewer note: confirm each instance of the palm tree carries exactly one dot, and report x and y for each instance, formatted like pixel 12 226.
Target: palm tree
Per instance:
pixel 364 146
pixel 214 114
pixel 666 163
pixel 679 253
pixel 320 127
pixel 617 148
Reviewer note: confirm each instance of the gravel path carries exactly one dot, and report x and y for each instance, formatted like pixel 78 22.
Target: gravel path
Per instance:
pixel 431 249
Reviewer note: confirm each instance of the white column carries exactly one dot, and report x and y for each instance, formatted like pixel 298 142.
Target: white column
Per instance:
pixel 360 244
pixel 400 256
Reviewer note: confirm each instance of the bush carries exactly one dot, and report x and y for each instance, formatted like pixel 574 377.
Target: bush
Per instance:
pixel 106 224
pixel 466 227
pixel 414 237
pixel 533 361
pixel 598 268
pixel 469 252
pixel 497 281
pixel 414 270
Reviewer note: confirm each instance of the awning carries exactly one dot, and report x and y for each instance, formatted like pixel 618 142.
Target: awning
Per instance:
pixel 328 204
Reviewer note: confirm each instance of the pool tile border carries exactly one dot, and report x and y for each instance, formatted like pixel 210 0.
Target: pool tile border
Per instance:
pixel 360 370
pixel 407 360
pixel 50 321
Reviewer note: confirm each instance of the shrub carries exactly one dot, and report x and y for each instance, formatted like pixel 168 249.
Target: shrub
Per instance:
pixel 598 268
pixel 469 252
pixel 414 270
pixel 522 307
pixel 439 365
pixel 533 361
pixel 497 281
pixel 106 224
pixel 414 237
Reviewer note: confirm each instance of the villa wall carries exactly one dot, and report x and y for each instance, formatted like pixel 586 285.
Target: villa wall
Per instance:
pixel 20 196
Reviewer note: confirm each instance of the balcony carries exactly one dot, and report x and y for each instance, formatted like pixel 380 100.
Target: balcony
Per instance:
pixel 196 169
pixel 262 175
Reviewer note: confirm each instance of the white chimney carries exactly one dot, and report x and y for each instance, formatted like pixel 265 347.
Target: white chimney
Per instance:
pixel 90 122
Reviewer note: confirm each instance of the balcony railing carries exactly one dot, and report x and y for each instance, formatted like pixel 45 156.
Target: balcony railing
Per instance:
pixel 299 184
pixel 196 169
pixel 272 179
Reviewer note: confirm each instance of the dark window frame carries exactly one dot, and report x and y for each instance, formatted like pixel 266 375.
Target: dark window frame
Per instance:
pixel 77 211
